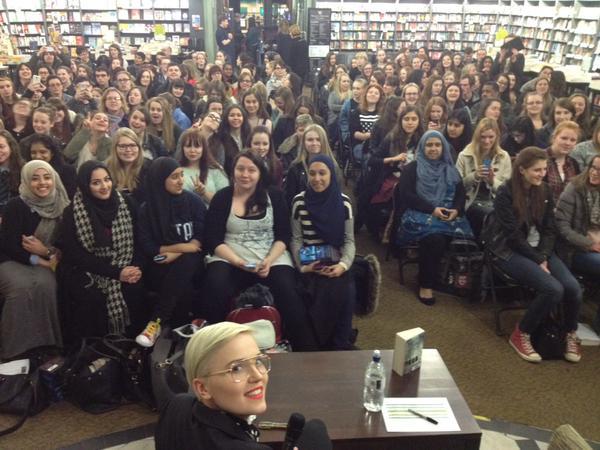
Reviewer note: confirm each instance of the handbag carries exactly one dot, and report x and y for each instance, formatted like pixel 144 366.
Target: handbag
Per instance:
pixel 93 378
pixel 415 225
pixel 549 339
pixel 166 368
pixel 464 262
pixel 22 395
pixel 135 369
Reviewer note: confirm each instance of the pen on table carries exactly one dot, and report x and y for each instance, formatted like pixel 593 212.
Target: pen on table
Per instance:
pixel 422 416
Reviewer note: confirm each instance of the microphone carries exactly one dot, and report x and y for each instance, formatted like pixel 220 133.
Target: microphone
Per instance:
pixel 294 430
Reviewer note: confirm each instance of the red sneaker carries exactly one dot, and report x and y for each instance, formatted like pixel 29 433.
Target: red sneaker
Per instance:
pixel 521 342
pixel 573 349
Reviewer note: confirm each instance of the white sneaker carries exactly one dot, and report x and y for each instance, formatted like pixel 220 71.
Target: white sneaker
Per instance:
pixel 148 337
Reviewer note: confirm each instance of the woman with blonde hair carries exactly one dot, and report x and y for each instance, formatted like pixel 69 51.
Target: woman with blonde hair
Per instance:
pixel 483 166
pixel 340 92
pixel 314 142
pixel 127 164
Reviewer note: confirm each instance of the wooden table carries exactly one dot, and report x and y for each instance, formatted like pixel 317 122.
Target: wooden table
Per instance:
pixel 329 385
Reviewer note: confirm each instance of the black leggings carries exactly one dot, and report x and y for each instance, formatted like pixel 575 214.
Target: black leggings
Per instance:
pixel 431 251
pixel 224 281
pixel 174 284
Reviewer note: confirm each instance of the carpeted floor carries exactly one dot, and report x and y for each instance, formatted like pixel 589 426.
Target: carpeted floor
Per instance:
pixel 493 380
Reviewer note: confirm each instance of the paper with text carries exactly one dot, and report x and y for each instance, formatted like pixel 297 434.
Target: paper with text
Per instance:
pixel 398 419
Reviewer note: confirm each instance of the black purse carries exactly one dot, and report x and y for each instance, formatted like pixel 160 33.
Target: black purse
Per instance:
pixel 93 379
pixel 22 395
pixel 549 339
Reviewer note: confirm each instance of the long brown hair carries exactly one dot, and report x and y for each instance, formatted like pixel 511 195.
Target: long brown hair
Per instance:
pixel 193 137
pixel 582 181
pixel 529 204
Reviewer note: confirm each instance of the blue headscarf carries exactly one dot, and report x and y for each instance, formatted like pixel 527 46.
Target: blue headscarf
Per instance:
pixel 435 177
pixel 326 209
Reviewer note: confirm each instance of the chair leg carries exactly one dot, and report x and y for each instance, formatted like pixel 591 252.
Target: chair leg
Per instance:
pixel 401 270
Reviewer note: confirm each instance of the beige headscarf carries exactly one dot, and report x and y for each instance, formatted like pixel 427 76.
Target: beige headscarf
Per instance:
pixel 49 208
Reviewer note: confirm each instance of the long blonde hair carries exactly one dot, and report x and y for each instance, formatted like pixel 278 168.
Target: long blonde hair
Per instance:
pixel 325 148
pixel 168 135
pixel 484 125
pixel 125 177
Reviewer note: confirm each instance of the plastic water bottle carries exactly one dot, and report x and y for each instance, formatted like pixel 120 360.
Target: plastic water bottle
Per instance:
pixel 374 384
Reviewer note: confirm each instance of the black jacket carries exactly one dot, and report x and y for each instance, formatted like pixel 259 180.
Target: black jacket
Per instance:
pixel 18 220
pixel 74 255
pixel 299 62
pixel 186 424
pixel 220 207
pixel 506 236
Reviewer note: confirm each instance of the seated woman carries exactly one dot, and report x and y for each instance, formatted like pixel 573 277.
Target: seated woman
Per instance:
pixel 520 135
pixel 90 143
pixel 562 110
pixel 202 174
pixel 322 216
pixel 161 123
pixel 29 228
pixel 522 238
pixel 561 167
pixel 233 134
pixel 578 223
pixel 314 142
pixel 363 119
pixel 99 273
pixel 10 173
pixel 386 165
pixel 46 148
pixel 483 166
pixel 152 146
pixel 586 150
pixel 170 227
pixel 114 105
pixel 223 364
pixel 459 130
pixel 247 233
pixel 261 144
pixel 430 204
pixel 127 164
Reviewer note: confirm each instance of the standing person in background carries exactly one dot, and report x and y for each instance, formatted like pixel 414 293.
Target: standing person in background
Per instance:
pixel 299 63
pixel 283 41
pixel 253 39
pixel 224 39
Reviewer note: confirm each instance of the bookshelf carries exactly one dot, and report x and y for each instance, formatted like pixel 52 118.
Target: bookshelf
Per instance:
pixel 81 22
pixel 558 31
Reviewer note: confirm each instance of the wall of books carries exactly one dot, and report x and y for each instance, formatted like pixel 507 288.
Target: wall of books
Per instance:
pixel 33 23
pixel 564 32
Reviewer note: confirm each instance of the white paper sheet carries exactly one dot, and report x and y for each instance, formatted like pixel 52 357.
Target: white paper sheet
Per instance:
pixel 399 420
pixel 17 367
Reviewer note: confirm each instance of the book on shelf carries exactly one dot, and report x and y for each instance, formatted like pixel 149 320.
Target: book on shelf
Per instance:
pixel 408 350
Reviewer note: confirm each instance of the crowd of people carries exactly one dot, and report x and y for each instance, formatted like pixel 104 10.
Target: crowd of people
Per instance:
pixel 133 193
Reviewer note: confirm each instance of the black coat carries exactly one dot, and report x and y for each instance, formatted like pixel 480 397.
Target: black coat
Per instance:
pixel 508 237
pixel 299 64
pixel 186 424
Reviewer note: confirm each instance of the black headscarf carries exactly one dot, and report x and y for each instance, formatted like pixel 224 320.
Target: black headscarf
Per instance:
pixel 326 209
pixel 102 213
pixel 161 204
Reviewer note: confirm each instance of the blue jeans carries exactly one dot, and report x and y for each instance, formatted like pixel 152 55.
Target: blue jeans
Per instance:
pixel 551 288
pixel 587 263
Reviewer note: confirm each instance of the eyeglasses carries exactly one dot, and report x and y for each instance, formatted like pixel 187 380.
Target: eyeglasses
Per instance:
pixel 595 169
pixel 113 99
pixel 242 369
pixel 122 80
pixel 214 117
pixel 127 146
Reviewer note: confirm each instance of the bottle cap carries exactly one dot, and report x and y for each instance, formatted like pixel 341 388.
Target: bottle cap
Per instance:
pixel 376 355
